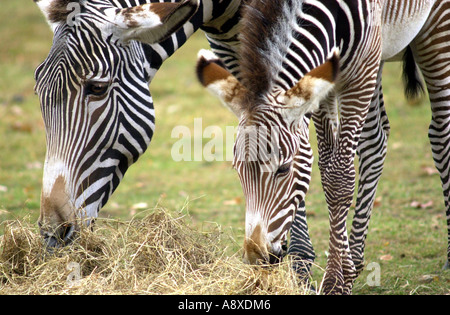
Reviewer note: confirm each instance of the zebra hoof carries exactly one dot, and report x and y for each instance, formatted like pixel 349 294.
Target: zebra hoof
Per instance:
pixel 446 266
pixel 312 290
pixel 307 283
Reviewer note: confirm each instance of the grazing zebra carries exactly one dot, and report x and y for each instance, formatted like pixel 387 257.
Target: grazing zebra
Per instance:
pixel 94 93
pixel 325 57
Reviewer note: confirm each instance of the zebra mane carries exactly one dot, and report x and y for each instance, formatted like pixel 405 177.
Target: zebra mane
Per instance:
pixel 266 35
pixel 58 11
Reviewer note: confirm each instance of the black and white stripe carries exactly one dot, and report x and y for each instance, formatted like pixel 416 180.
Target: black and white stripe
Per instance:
pixel 280 184
pixel 429 50
pixel 297 58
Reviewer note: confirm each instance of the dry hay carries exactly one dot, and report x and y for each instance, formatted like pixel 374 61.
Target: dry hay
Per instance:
pixel 159 254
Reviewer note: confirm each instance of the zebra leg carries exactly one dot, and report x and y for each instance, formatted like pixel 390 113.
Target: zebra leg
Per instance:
pixel 371 150
pixel 300 247
pixel 326 123
pixel 439 136
pixel 431 54
pixel 337 150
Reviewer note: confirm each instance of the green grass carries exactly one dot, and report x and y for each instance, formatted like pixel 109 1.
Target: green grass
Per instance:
pixel 413 240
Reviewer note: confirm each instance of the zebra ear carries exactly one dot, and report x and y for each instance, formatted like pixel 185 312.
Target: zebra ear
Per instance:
pixel 57 11
pixel 216 79
pixel 315 85
pixel 152 22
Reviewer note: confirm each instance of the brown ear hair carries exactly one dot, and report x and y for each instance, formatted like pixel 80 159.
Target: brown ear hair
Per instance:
pixel 317 83
pixel 213 75
pixel 149 23
pixel 210 70
pixel 153 22
pixel 328 71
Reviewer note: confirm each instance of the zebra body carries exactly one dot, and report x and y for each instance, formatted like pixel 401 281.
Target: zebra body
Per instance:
pixel 401 22
pixel 94 94
pixel 325 57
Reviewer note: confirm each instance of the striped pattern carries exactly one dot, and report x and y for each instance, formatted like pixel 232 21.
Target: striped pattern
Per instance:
pixel 430 49
pixel 97 107
pixel 398 11
pixel 85 134
pixel 300 247
pixel 372 153
pixel 279 184
pixel 351 119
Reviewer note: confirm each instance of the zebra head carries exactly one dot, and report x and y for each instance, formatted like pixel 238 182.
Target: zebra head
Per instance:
pixel 95 102
pixel 272 154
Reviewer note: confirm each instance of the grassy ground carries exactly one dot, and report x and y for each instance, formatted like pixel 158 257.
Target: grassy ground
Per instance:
pixel 409 242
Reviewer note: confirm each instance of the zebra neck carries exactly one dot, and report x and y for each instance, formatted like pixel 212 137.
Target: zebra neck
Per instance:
pixel 217 18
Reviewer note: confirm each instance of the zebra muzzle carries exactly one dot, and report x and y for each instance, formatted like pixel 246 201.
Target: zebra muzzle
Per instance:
pixel 58 237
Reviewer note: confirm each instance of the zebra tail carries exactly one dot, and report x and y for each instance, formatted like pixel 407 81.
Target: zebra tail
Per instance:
pixel 412 79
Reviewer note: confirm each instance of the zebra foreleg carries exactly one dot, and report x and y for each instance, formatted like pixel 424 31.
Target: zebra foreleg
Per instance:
pixel 338 184
pixel 337 151
pixel 371 150
pixel 439 134
pixel 300 249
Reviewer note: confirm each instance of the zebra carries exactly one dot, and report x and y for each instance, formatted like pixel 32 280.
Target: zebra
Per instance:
pixel 324 58
pixel 94 93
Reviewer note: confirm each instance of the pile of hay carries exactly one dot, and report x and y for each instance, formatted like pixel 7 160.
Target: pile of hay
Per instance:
pixel 159 254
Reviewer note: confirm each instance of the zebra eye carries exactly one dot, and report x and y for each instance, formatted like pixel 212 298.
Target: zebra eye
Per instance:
pixel 96 88
pixel 283 169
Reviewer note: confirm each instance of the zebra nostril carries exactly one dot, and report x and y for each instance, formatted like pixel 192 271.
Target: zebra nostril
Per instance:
pixel 275 258
pixel 61 236
pixel 66 232
pixel 51 241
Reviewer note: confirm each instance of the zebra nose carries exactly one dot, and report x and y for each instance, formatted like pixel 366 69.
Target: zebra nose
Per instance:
pixel 258 251
pixel 57 215
pixel 257 254
pixel 253 255
pixel 255 248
